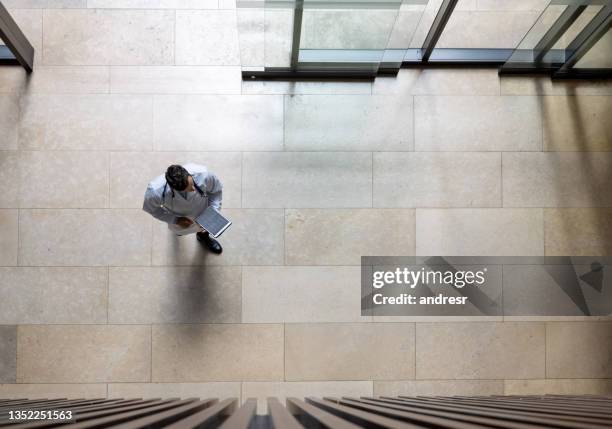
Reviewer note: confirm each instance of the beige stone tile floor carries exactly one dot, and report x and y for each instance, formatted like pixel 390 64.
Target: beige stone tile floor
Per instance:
pixel 97 298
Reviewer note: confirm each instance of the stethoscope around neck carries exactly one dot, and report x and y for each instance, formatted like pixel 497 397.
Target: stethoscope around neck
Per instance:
pixel 163 196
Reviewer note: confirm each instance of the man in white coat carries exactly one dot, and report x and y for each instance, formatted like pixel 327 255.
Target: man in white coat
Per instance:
pixel 181 195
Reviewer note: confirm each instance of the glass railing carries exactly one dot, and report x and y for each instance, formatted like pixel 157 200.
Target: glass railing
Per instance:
pixel 368 37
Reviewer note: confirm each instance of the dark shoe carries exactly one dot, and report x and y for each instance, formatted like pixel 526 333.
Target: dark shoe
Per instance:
pixel 212 244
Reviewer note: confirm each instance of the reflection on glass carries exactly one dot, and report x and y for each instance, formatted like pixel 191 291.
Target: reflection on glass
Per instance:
pixel 599 56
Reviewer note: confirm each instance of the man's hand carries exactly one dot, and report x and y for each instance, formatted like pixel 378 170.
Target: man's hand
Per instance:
pixel 184 222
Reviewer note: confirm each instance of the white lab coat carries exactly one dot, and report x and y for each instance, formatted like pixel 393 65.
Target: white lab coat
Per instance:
pixel 169 206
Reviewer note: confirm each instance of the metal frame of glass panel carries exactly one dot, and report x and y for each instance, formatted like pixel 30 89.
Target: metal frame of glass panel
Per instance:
pixel 559 63
pixel 18 49
pixel 542 58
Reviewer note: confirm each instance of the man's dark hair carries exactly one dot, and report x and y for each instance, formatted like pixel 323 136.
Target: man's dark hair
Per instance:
pixel 177 177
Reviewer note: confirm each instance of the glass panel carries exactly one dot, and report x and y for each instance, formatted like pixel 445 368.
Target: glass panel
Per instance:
pixel 490 24
pixel 599 56
pixel 555 29
pixel 278 34
pixel 250 18
pixel 346 33
pixel 265 31
pixel 581 22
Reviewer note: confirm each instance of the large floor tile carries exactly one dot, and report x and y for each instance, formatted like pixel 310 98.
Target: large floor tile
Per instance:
pixel 9 224
pixel 86 122
pixel 83 354
pixel 578 232
pixel 9 172
pixel 438 82
pixel 207 37
pixel 480 350
pixel 131 172
pixel 9 118
pixel 348 122
pixel 66 80
pixel 578 350
pixel 178 390
pixel 72 179
pixel 307 179
pixel 152 4
pixel 53 295
pixel 558 387
pixel 341 351
pixel 477 123
pixel 209 122
pixel 255 238
pixel 108 37
pixel 530 85
pixel 174 295
pixel 217 352
pixel 557 179
pixel 437 180
pixel 8 354
pixel 577 123
pixel 343 236
pixel 301 389
pixel 480 232
pixel 12 79
pixel 439 388
pixel 86 237
pixel 306 87
pixel 175 80
pixel 301 294
pixel 53 390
